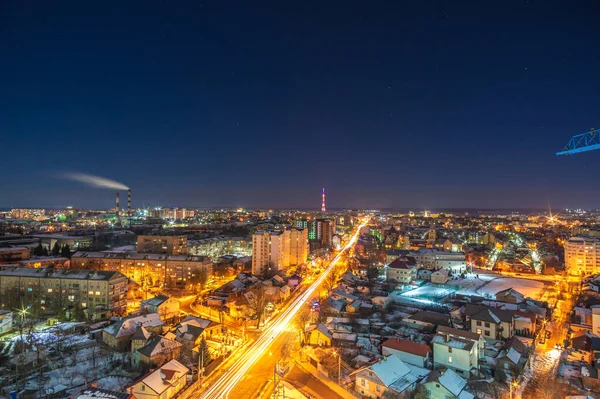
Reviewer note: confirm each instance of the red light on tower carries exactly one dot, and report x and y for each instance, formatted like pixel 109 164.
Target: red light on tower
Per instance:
pixel 323 201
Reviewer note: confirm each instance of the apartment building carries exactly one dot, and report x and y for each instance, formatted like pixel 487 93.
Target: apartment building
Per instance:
pixel 170 245
pixel 582 256
pixel 53 290
pixel 298 246
pixel 274 250
pixel 148 269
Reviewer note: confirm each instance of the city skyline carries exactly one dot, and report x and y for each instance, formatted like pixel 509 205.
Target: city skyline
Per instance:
pixel 404 106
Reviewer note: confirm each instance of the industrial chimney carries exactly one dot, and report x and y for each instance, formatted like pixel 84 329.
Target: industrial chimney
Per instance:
pixel 117 206
pixel 129 202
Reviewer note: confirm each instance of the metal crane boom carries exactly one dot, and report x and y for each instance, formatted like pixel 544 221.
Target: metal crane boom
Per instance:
pixel 582 142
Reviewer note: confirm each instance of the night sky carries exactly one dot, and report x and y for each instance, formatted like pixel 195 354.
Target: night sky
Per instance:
pixel 418 104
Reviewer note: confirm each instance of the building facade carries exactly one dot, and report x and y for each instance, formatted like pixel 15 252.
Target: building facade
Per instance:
pixel 53 290
pixel 274 250
pixel 582 256
pixel 170 245
pixel 148 270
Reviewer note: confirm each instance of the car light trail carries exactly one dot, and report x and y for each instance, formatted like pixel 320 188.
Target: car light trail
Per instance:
pixel 229 379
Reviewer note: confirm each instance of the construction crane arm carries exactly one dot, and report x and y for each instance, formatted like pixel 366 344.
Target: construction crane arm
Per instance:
pixel 582 142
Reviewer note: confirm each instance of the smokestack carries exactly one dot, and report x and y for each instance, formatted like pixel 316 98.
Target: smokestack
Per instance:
pixel 117 206
pixel 129 202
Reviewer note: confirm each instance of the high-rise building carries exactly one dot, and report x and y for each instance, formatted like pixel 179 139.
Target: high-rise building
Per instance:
pixel 582 256
pixel 325 229
pixel 298 246
pixel 267 251
pixel 274 250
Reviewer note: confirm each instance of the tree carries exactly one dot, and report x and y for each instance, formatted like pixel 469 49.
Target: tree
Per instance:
pixel 56 249
pixel 200 278
pixel 39 250
pixel 257 302
pixel 77 313
pixel 270 270
pixel 65 252
pixel 372 273
pixel 301 320
pixel 330 281
pixel 419 393
pixel 203 355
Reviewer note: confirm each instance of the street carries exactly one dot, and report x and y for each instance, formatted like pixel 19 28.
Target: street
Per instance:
pixel 229 380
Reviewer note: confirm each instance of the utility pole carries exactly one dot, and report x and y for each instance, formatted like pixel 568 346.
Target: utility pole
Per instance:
pixel 200 362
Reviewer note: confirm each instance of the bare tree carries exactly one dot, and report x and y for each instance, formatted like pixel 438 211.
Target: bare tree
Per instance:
pixel 330 281
pixel 301 320
pixel 257 302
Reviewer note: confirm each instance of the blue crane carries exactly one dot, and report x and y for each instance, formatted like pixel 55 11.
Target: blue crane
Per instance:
pixel 582 142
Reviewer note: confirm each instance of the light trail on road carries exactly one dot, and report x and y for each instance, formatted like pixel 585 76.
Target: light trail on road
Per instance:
pixel 222 387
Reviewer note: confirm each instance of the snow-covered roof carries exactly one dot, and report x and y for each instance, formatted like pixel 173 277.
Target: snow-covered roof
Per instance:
pixel 97 393
pixel 160 380
pixel 452 382
pixel 452 342
pixel 127 326
pixel 513 355
pixel 158 345
pixel 390 369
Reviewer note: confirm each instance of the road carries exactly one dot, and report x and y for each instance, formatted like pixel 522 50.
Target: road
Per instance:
pixel 228 382
pixel 541 377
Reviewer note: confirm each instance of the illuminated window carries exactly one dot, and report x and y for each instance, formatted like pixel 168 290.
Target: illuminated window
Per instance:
pixel 49 290
pixel 449 359
pixel 98 293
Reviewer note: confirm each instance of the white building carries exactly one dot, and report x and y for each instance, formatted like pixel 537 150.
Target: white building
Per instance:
pixel 401 270
pixel 458 350
pixel 278 249
pixel 582 256
pixel 434 259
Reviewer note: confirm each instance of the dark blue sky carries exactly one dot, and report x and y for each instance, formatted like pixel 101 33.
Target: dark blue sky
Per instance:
pixel 386 104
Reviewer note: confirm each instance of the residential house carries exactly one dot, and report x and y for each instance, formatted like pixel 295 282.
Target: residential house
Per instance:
pixel 440 276
pixel 525 322
pixel 118 335
pixel 167 308
pixel 408 351
pixel 192 329
pixel 457 350
pixel 390 373
pixel 320 336
pixel 451 245
pixel 511 360
pixel 139 338
pixel 510 295
pixel 401 271
pixel 163 383
pixel 158 350
pixel 446 384
pixel 424 274
pixel 493 323
pixel 426 320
